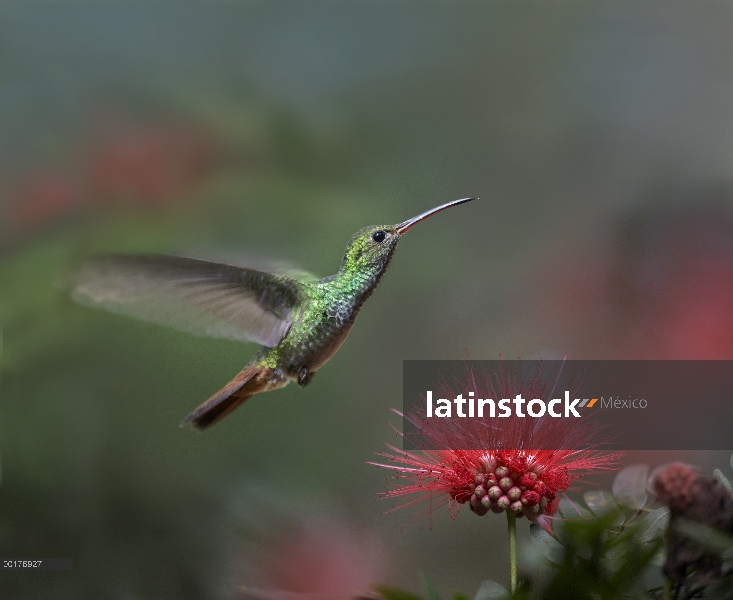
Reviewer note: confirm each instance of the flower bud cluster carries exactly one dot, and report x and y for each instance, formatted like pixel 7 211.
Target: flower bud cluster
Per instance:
pixel 678 485
pixel 500 485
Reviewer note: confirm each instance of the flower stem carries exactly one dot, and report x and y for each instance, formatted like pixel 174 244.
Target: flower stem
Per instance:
pixel 512 519
pixel 667 593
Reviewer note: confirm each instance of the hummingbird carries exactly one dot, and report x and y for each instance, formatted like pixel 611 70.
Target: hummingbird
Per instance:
pixel 300 324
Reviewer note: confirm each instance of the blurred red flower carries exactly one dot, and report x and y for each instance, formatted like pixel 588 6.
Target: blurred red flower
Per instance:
pixel 520 466
pixel 150 165
pixel 145 166
pixel 656 285
pixel 326 557
pixel 41 197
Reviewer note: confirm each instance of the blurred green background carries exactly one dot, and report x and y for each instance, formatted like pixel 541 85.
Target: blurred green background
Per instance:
pixel 599 137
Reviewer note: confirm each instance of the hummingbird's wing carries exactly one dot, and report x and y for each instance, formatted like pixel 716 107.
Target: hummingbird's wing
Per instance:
pixel 201 297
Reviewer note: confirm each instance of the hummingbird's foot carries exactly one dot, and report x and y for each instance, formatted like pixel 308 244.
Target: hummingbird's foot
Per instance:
pixel 304 376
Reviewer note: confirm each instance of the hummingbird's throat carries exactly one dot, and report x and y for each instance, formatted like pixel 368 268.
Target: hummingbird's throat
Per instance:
pixel 354 284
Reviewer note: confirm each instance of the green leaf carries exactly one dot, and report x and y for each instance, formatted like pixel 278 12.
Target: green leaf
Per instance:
pixel 722 480
pixel 548 546
pixel 599 501
pixel 727 556
pixel 653 524
pixel 490 590
pixel 616 555
pixel 573 510
pixel 431 592
pixel 659 558
pixel 391 593
pixel 708 537
pixel 731 461
pixel 629 487
pixel 460 596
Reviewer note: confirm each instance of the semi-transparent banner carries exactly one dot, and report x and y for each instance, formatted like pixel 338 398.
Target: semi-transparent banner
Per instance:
pixel 568 404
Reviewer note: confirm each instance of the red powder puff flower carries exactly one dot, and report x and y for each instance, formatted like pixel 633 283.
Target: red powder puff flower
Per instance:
pixel 519 465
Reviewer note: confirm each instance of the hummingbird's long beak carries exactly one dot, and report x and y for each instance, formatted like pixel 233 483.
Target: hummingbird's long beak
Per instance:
pixel 402 227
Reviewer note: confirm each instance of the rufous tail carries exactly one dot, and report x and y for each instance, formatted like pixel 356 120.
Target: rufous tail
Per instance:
pixel 249 381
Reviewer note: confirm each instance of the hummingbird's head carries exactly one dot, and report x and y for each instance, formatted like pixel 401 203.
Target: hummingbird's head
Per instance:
pixel 370 249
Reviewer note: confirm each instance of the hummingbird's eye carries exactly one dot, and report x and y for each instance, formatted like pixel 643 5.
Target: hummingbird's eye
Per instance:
pixel 378 236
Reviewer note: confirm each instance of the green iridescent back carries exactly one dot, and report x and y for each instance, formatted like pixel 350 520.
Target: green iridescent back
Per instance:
pixel 330 305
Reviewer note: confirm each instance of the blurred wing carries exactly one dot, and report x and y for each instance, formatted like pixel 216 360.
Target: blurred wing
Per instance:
pixel 201 297
pixel 258 263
